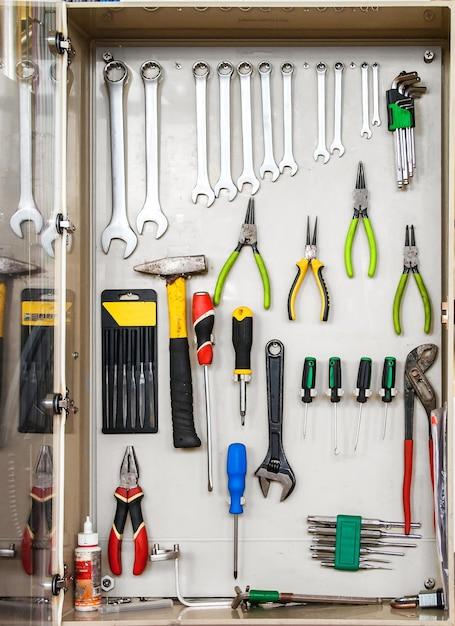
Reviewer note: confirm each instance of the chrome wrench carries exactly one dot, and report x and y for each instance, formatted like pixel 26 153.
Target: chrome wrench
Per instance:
pixel 115 77
pixel 247 176
pixel 151 73
pixel 337 143
pixel 268 164
pixel 376 119
pixel 225 70
pixel 321 148
pixel 366 130
pixel 287 70
pixel 27 211
pixel 201 70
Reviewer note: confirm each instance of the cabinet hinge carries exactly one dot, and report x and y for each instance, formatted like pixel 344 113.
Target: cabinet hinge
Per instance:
pixel 55 403
pixel 60 583
pixel 63 224
pixel 444 313
pixel 58 44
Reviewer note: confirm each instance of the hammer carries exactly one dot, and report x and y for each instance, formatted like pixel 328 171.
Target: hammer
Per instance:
pixel 175 270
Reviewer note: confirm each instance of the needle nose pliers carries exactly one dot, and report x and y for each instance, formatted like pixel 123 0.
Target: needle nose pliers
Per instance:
pixel 317 266
pixel 360 213
pixel 248 237
pixel 411 266
pixel 128 496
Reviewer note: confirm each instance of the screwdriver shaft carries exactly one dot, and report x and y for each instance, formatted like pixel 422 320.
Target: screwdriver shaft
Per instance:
pixel 385 420
pixel 335 431
pixel 236 546
pixel 208 416
pixel 242 400
pixel 359 422
pixel 305 420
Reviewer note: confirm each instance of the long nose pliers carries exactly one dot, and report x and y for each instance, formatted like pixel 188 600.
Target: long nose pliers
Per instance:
pixel 411 266
pixel 248 237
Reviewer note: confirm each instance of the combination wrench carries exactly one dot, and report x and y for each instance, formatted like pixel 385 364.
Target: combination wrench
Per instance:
pixel 27 211
pixel 115 77
pixel 151 73
pixel 245 70
pixel 337 143
pixel 287 70
pixel 201 70
pixel 268 164
pixel 366 130
pixel 376 119
pixel 225 70
pixel 321 148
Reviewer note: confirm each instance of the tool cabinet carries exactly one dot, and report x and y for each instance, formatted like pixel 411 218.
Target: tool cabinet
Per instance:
pixel 72 177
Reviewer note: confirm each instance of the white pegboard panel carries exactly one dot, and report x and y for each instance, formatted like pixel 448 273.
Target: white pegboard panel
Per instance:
pixel 177 507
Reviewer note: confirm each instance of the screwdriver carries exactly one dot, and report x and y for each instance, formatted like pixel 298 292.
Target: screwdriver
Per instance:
pixel 363 391
pixel 335 393
pixel 388 390
pixel 236 471
pixel 308 391
pixel 242 340
pixel 203 321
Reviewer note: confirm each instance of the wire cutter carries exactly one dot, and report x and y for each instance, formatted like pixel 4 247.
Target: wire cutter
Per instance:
pixel 317 266
pixel 128 496
pixel 417 384
pixel 36 535
pixel 411 265
pixel 360 213
pixel 248 237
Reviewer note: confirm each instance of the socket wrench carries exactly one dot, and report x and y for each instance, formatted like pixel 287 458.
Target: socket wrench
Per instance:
pixel 287 70
pixel 225 70
pixel 248 175
pixel 321 148
pixel 201 70
pixel 337 143
pixel 268 164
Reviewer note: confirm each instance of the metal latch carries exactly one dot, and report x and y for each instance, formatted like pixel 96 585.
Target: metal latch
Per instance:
pixel 64 223
pixel 9 552
pixel 60 583
pixel 444 312
pixel 55 403
pixel 58 44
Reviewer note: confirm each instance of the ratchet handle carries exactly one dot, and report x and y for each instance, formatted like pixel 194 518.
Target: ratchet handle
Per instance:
pixel 407 480
pixel 203 320
pixel 242 339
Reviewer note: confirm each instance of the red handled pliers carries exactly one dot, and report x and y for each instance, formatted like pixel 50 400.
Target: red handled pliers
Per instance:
pixel 128 496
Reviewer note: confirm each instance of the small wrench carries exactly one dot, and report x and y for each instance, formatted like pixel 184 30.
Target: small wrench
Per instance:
pixel 225 70
pixel 337 143
pixel 376 120
pixel 268 164
pixel 151 73
pixel 287 70
pixel 366 130
pixel 201 70
pixel 26 72
pixel 245 71
pixel 115 77
pixel 321 148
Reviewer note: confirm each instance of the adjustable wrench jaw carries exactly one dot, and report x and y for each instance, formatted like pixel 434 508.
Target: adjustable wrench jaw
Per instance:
pixel 284 476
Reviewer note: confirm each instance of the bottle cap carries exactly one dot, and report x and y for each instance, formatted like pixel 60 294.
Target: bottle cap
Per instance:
pixel 88 537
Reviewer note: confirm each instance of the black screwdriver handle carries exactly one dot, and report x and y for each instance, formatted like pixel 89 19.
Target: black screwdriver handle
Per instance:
pixel 335 378
pixel 308 379
pixel 363 379
pixel 242 338
pixel 388 378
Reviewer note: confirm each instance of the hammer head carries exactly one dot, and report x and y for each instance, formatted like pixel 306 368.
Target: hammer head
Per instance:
pixel 13 267
pixel 172 267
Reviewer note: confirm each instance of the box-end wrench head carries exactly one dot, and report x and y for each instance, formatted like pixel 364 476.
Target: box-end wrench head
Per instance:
pixel 225 69
pixel 151 73
pixel 376 119
pixel 287 70
pixel 248 176
pixel 268 164
pixel 366 130
pixel 337 144
pixel 201 71
pixel 321 148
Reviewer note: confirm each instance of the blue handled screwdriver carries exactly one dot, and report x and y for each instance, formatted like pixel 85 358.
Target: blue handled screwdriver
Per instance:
pixel 236 471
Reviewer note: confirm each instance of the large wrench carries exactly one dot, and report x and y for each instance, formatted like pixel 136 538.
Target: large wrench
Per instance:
pixel 115 77
pixel 27 211
pixel 366 130
pixel 376 119
pixel 268 164
pixel 201 70
pixel 321 148
pixel 244 71
pixel 337 143
pixel 287 70
pixel 225 70
pixel 151 73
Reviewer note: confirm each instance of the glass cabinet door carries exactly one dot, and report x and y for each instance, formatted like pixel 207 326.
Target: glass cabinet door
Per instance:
pixel 35 310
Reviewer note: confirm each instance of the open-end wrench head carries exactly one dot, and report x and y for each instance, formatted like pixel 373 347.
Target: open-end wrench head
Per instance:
pixel 321 152
pixel 248 180
pixel 337 148
pixel 271 168
pixel 203 191
pixel 150 214
pixel 227 185
pixel 286 479
pixel 26 214
pixel 124 233
pixel 48 236
pixel 291 164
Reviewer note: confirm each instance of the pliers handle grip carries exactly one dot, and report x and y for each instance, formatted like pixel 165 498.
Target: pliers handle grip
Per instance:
pixel 40 518
pixel 399 297
pixel 371 245
pixel 407 479
pixel 227 268
pixel 302 268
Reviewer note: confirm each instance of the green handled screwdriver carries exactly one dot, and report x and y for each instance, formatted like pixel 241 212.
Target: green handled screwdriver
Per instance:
pixel 388 391
pixel 363 391
pixel 242 340
pixel 335 393
pixel 308 392
pixel 236 471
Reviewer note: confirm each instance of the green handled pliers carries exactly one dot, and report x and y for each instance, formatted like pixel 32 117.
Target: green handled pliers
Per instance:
pixel 248 237
pixel 360 213
pixel 411 266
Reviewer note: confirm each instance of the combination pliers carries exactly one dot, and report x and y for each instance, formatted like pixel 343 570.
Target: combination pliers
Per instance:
pixel 411 266
pixel 248 237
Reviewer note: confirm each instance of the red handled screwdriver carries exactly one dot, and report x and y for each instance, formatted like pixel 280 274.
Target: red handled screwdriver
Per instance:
pixel 203 320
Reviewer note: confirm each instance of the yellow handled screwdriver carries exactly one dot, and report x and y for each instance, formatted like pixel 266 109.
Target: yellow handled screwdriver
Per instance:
pixel 242 340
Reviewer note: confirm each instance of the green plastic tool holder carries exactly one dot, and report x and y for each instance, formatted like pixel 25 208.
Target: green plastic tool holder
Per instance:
pixel 347 544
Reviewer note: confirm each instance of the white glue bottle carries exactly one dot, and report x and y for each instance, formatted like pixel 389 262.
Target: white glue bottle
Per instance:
pixel 87 568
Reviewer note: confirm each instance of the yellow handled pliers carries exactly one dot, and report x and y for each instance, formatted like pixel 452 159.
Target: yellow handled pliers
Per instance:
pixel 317 266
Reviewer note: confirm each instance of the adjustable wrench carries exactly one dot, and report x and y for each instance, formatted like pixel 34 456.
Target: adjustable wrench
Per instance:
pixel 244 71
pixel 287 70
pixel 321 148
pixel 201 70
pixel 375 120
pixel 151 73
pixel 225 70
pixel 268 164
pixel 26 72
pixel 366 130
pixel 115 77
pixel 337 143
